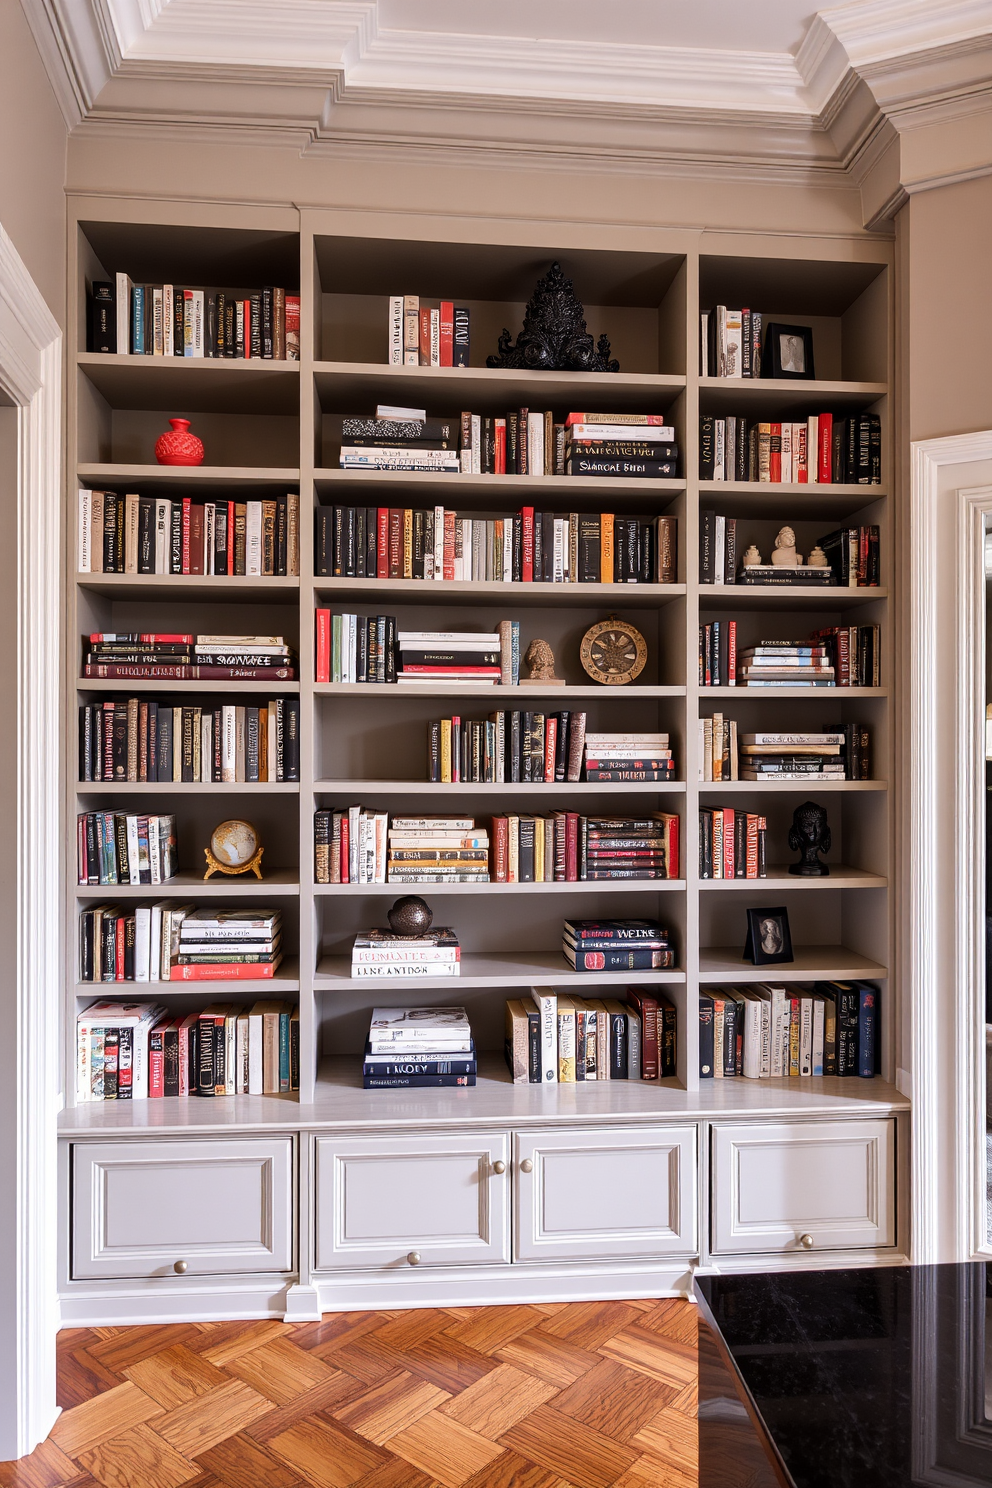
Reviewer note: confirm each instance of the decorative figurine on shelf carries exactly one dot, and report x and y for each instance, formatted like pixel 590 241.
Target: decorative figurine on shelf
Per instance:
pixel 785 555
pixel 541 660
pixel 554 337
pixel 613 652
pixel 752 558
pixel 410 916
pixel 234 848
pixel 818 558
pixel 809 835
pixel 179 447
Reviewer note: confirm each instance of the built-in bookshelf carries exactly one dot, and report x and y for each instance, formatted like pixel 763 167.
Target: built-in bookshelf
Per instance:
pixel 275 427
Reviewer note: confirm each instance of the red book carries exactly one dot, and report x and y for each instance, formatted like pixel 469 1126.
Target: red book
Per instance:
pixel 197 564
pixel 447 331
pixel 230 538
pixel 571 847
pixel 456 756
pixel 449 545
pixel 149 639
pixel 800 454
pixel 550 740
pixel 826 452
pixel 527 544
pixel 499 456
pixel 647 1006
pixel 382 543
pixel 345 850
pixel 751 868
pixel 501 848
pixel 394 553
pixel 728 842
pixel 775 454
pixel 225 971
pixel 292 318
pixel 323 646
pixel 187 504
pixel 731 653
pixel 425 337
pixel 119 950
pixel 155 671
pixel 670 827
pixel 247 312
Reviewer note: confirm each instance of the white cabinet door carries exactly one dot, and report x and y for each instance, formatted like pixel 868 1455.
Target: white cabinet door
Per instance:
pixel 206 1207
pixel 422 1201
pixel 797 1186
pixel 590 1195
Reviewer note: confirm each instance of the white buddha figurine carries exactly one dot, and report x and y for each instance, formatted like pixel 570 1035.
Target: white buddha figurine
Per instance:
pixel 785 555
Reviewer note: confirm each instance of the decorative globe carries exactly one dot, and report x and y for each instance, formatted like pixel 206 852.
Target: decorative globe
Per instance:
pixel 234 843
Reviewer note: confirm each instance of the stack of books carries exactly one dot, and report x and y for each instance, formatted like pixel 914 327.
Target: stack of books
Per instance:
pixel 381 953
pixel 764 1031
pixel 510 746
pixel 419 1048
pixel 429 850
pixel 636 756
pixel 792 756
pixel 784 575
pixel 226 945
pixel 732 843
pixel 427 657
pixel 355 648
pixel 730 342
pixel 630 847
pixel 552 1038
pixel 416 443
pixel 254 538
pixel 427 336
pixel 617 945
pixel 118 847
pixel 627 444
pixel 785 664
pixel 189 658
pixel 141 739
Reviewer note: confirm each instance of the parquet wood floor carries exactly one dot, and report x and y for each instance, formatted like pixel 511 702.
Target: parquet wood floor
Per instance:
pixel 556 1395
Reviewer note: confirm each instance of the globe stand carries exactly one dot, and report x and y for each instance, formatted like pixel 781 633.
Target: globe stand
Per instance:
pixel 254 865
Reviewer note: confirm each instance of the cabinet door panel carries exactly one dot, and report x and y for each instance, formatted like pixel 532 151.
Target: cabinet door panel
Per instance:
pixel 438 1198
pixel 595 1194
pixel 831 1182
pixel 217 1206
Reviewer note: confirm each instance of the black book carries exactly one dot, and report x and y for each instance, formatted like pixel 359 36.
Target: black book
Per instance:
pixel 220 538
pixel 526 849
pixel 625 448
pixel 163 769
pixel 151 748
pixel 323 540
pixel 120 842
pixel 92 854
pixel 707 447
pixel 645 553
pixel 86 961
pixel 267 327
pixel 291 739
pixel 389 660
pixel 282 536
pixel 619 551
pixel 178 322
pixel 210 329
pixel 130 927
pixel 338 542
pixel 111 500
pixel 730 1009
pixel 589 548
pixel 742 450
pixel 390 433
pixel 707 538
pixel 740 844
pixel 561 746
pixel 103 317
pixel 595 465
pixel 86 753
pixel 618 1045
pixel 419 529
pixel 629 572
pixel 349 543
pixel 230 327
pixel 461 338
pixel 254 328
pixel 111 1059
pixel 371 541
pixel 705 842
pixel 108 947
pixel 118 741
pixel 206 1033
pixel 705 1036
pixel 146 534
pixel 176 539
pixel 416 1082
pixel 170 1060
pixel 514 762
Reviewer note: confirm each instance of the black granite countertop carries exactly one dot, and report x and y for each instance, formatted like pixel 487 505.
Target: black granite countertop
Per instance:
pixel 871 1378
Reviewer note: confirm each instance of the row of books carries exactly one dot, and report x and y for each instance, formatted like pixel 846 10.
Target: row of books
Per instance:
pixel 422 335
pixel 418 1048
pixel 732 844
pixel 522 442
pixel 171 320
pixel 842 752
pixel 764 1031
pixel 138 739
pixel 356 845
pixel 851 553
pixel 823 449
pixel 554 1038
pixel 138 1051
pixel 617 945
pixel 173 942
pixel 127 533
pixel 730 343
pixel 527 547
pixel 181 658
pixel 122 847
pixel 835 656
pixel 382 953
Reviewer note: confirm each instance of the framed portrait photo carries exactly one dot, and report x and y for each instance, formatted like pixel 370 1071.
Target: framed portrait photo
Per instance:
pixel 787 351
pixel 769 942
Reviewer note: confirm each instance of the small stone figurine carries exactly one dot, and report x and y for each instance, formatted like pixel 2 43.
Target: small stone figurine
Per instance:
pixel 752 558
pixel 541 660
pixel 785 555
pixel 410 916
pixel 809 835
pixel 817 559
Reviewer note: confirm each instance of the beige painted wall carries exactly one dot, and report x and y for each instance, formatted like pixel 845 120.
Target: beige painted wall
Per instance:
pixel 32 158
pixel 947 237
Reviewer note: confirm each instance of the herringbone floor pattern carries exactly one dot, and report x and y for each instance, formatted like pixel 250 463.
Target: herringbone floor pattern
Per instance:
pixel 556 1395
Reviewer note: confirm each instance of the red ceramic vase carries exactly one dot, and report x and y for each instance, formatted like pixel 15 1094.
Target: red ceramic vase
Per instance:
pixel 179 447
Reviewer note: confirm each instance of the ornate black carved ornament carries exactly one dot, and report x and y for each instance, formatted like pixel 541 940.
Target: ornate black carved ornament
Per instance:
pixel 554 337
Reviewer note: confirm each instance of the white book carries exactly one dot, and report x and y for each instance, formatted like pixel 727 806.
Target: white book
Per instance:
pixel 209 535
pixel 787 468
pixel 123 315
pixel 396 330
pixel 730 448
pixel 230 1053
pixel 625 433
pixel 142 942
pixel 547 1006
pixel 476 444
pixel 560 550
pixel 255 1041
pixel 438 543
pixel 168 332
pixel 720 551
pixel 819 1021
pixel 733 344
pixel 701 746
pixel 720 340
pixel 507 550
pixel 133 866
pixel 813 449
pixel 704 348
pixel 719 448
pixel 96 532
pixel 401 415
pixel 155 944
pixel 206 747
pixel 253 539
pixel 131 505
pixel 354 815
pixel 779 1052
pixel 806 1035
pixel 535 443
pixel 435 338
pixel 197 323
pixel 158 329
pixel 139 1060
pixel 766 1030
pixel 240 743
pixel 242 1056
pixel 228 741
pixel 163 533
pixel 405 969
pixel 84 532
pixel 596 741
pixel 751 1068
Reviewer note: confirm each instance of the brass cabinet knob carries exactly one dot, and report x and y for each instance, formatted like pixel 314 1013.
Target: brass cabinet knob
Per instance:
pixel 499 1167
pixel 180 1268
pixel 526 1166
pixel 414 1258
pixel 806 1241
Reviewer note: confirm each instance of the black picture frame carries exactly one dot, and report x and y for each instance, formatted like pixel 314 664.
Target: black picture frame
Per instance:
pixel 759 936
pixel 782 357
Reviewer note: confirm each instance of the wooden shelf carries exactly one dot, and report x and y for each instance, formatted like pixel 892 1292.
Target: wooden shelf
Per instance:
pixel 787 787
pixel 783 395
pixel 779 877
pixel 559 490
pixel 819 962
pixel 790 499
pixel 180 587
pixel 490 788
pixel 457 689
pixel 528 969
pixel 194 384
pixel 785 597
pixel 286 979
pixel 203 479
pixel 468 591
pixel 794 694
pixel 186 787
pixel 349 387
pixel 281 881
pixel 583 886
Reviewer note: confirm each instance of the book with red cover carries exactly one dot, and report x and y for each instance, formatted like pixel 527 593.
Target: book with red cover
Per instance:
pixel 571 847
pixel 394 555
pixel 425 336
pixel 187 506
pixel 225 971
pixel 447 331
pixel 826 450
pixel 550 743
pixel 323 646
pixel 527 544
pixel 501 849
pixel 775 454
pixel 647 1006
